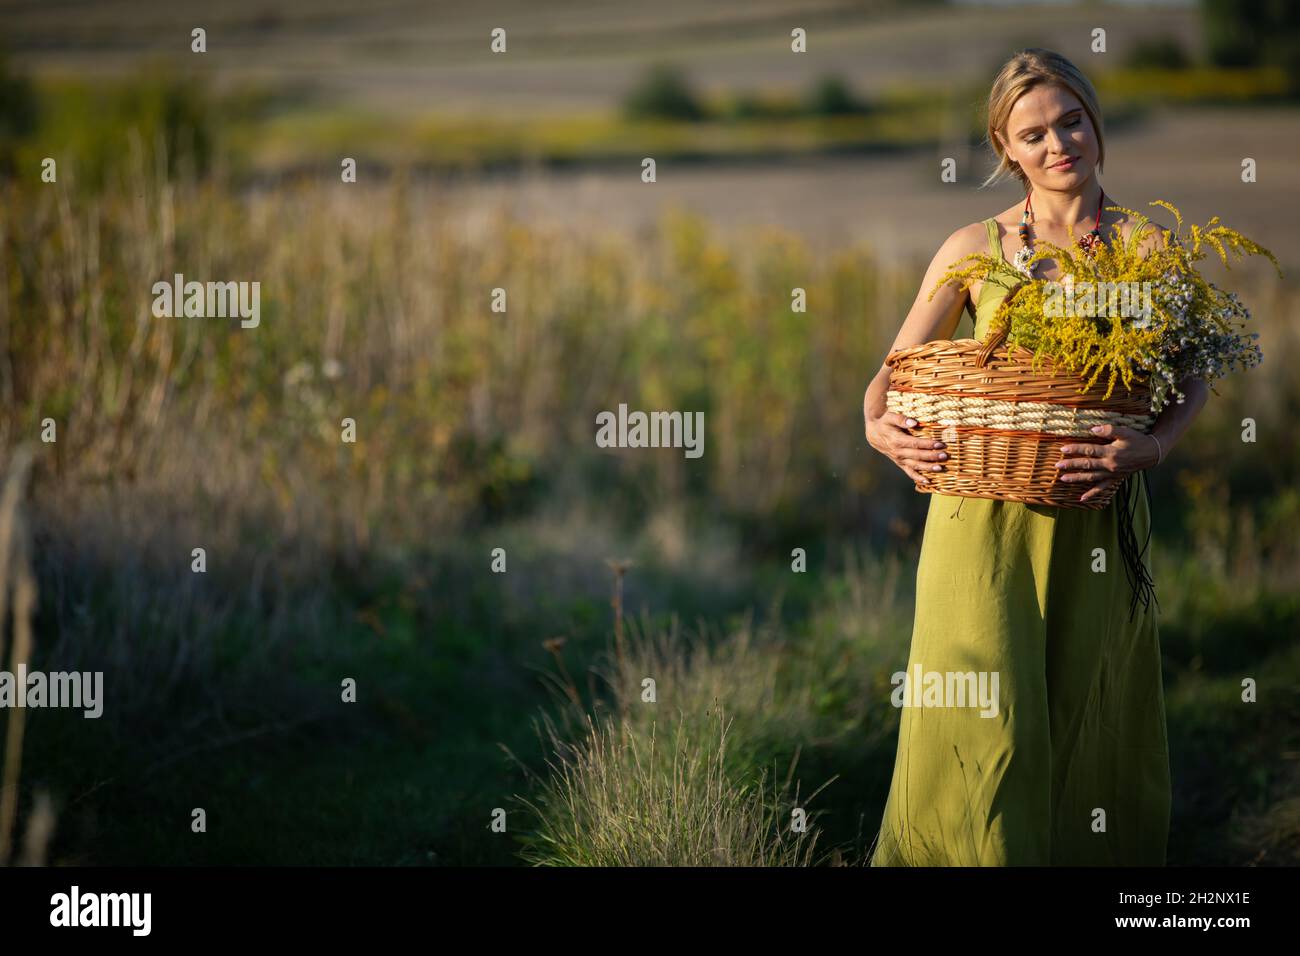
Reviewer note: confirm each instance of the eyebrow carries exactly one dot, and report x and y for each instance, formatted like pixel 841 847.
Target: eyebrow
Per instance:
pixel 1030 129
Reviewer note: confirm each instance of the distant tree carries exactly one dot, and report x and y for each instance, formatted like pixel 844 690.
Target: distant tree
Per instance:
pixel 831 96
pixel 18 113
pixel 1164 53
pixel 1254 33
pixel 175 108
pixel 663 93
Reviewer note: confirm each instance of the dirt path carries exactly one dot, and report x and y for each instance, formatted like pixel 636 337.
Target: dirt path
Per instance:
pixel 1191 158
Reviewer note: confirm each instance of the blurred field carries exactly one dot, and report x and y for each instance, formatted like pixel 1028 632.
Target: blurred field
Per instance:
pixel 406 56
pixel 898 206
pixel 475 429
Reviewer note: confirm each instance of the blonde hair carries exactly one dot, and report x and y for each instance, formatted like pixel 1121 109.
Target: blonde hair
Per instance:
pixel 1025 70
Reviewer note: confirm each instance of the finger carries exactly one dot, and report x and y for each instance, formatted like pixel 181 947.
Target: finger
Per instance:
pixel 1125 432
pixel 1088 450
pixel 909 441
pixel 922 452
pixel 900 436
pixel 1083 477
pixel 1095 492
pixel 1091 457
pixel 908 461
pixel 1077 464
pixel 902 421
pixel 1098 490
pixel 915 475
pixel 920 463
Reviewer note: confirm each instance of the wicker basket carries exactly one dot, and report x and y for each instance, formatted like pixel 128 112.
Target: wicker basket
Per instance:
pixel 1003 424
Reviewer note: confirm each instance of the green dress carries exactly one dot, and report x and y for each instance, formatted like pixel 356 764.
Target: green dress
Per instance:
pixel 1073 767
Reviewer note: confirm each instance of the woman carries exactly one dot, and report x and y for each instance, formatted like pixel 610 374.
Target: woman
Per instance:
pixel 1073 766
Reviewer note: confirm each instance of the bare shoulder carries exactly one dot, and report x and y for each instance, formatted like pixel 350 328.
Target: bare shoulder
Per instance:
pixel 1143 235
pixel 1152 236
pixel 962 242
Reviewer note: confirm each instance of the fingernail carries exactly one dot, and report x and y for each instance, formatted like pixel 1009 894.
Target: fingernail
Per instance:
pixel 943 456
pixel 911 422
pixel 1095 429
pixel 938 444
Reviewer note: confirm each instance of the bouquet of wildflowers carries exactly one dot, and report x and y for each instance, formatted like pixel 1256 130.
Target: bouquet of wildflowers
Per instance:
pixel 1150 321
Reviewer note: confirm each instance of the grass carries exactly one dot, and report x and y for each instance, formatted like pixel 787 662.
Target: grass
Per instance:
pixel 754 716
pixel 626 799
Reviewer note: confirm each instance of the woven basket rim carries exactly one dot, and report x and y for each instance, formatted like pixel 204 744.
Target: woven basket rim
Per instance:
pixel 1140 389
pixel 938 343
pixel 965 345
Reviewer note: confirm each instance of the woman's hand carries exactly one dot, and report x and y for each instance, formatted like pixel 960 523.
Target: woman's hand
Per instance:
pixel 888 434
pixel 1128 450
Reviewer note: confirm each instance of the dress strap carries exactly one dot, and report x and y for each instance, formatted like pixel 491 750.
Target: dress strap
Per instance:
pixel 1132 236
pixel 995 243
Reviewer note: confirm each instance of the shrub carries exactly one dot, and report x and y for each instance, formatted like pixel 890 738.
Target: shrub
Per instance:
pixel 1159 53
pixel 663 93
pixel 18 113
pixel 831 96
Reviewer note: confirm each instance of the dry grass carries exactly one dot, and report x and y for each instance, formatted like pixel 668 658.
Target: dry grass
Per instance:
pixel 663 798
pixel 686 752
pixel 17 581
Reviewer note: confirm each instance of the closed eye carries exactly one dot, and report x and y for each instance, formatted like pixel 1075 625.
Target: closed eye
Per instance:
pixel 1035 137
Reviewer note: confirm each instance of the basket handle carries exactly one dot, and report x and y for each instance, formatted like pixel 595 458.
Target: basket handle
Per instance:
pixel 997 333
pixel 992 340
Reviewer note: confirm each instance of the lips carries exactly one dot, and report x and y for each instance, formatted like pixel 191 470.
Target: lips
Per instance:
pixel 1065 163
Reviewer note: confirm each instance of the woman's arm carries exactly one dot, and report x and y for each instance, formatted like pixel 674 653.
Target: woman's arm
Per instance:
pixel 927 320
pixel 1171 423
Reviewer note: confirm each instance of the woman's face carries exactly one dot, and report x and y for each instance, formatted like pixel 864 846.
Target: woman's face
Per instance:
pixel 1049 125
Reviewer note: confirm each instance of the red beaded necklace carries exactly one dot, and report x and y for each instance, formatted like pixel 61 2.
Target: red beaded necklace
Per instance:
pixel 1087 242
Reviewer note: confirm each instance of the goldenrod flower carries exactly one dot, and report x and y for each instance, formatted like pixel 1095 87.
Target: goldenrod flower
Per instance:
pixel 1187 326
